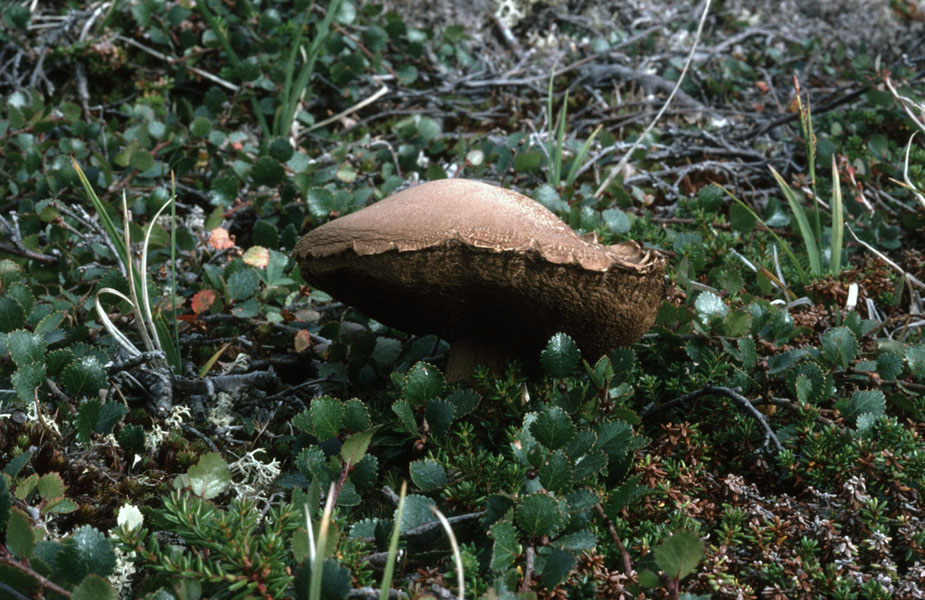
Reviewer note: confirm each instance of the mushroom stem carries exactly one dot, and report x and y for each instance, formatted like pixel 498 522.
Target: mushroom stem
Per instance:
pixel 468 353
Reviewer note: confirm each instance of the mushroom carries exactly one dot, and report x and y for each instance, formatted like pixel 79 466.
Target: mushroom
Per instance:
pixel 493 272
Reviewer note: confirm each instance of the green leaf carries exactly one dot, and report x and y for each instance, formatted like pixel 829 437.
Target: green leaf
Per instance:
pixel 6 501
pixel 737 322
pixel 268 171
pixel 25 347
pixel 616 220
pixel 440 414
pixel 50 486
pixel 327 417
pixel 84 377
pixel 94 587
pixel 422 383
pixel 556 474
pixel 741 219
pixel 417 512
pixel 406 416
pixel 141 160
pixel 710 308
pixel 889 366
pixel 86 552
pixel 556 568
pixel 589 464
pixel 553 428
pixel 242 284
pixel 427 474
pixel 464 402
pixel 839 346
pixel 26 379
pixel 528 159
pixel 200 127
pixel 335 581
pixel 560 357
pixel 364 473
pixel 12 315
pixel 210 476
pixel 428 128
pixel 616 438
pixel 803 387
pixel 110 414
pixel 621 496
pixel 539 514
pixel 915 358
pixel 678 555
pixel 506 548
pixel 321 203
pixel 303 422
pixel 356 416
pixel 132 439
pixel 748 352
pixel 866 401
pixel 20 537
pixel 354 447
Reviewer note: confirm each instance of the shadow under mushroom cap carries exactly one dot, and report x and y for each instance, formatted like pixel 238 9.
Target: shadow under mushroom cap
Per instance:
pixel 468 260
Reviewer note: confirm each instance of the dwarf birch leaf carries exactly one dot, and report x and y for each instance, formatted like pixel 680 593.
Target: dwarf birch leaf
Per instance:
pixel 327 417
pixel 560 357
pixel 427 474
pixel 553 428
pixel 678 555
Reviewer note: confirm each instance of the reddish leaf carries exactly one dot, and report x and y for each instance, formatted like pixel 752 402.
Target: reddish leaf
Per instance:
pixel 219 239
pixel 202 300
pixel 302 340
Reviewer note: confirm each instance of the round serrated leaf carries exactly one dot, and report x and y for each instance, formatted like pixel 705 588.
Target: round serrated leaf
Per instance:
pixel 12 315
pixel 616 220
pixel 364 473
pixel 710 308
pixel 427 474
pixel 556 474
pixel 440 413
pixel 866 401
pixel 356 416
pixel 539 514
pixel 528 159
pixel 553 428
pixel 85 552
pixel 141 160
pixel 889 366
pixel 26 379
pixel 422 383
pixel 94 587
pixel 417 512
pixel 242 284
pixel 327 417
pixel 560 357
pixel 678 555
pixel 20 537
pixel 808 382
pixel 839 346
pixel 268 171
pixel 84 377
pixel 210 476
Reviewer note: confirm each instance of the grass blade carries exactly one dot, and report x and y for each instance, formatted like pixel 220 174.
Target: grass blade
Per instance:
pixel 806 231
pixel 836 238
pixel 314 589
pixel 457 556
pixel 108 226
pixel 580 157
pixel 393 546
pixel 783 243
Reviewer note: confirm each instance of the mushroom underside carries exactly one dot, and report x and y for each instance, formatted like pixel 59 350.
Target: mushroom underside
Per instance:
pixel 498 304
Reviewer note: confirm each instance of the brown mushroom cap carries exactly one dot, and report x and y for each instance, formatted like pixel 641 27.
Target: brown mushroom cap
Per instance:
pixel 473 262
